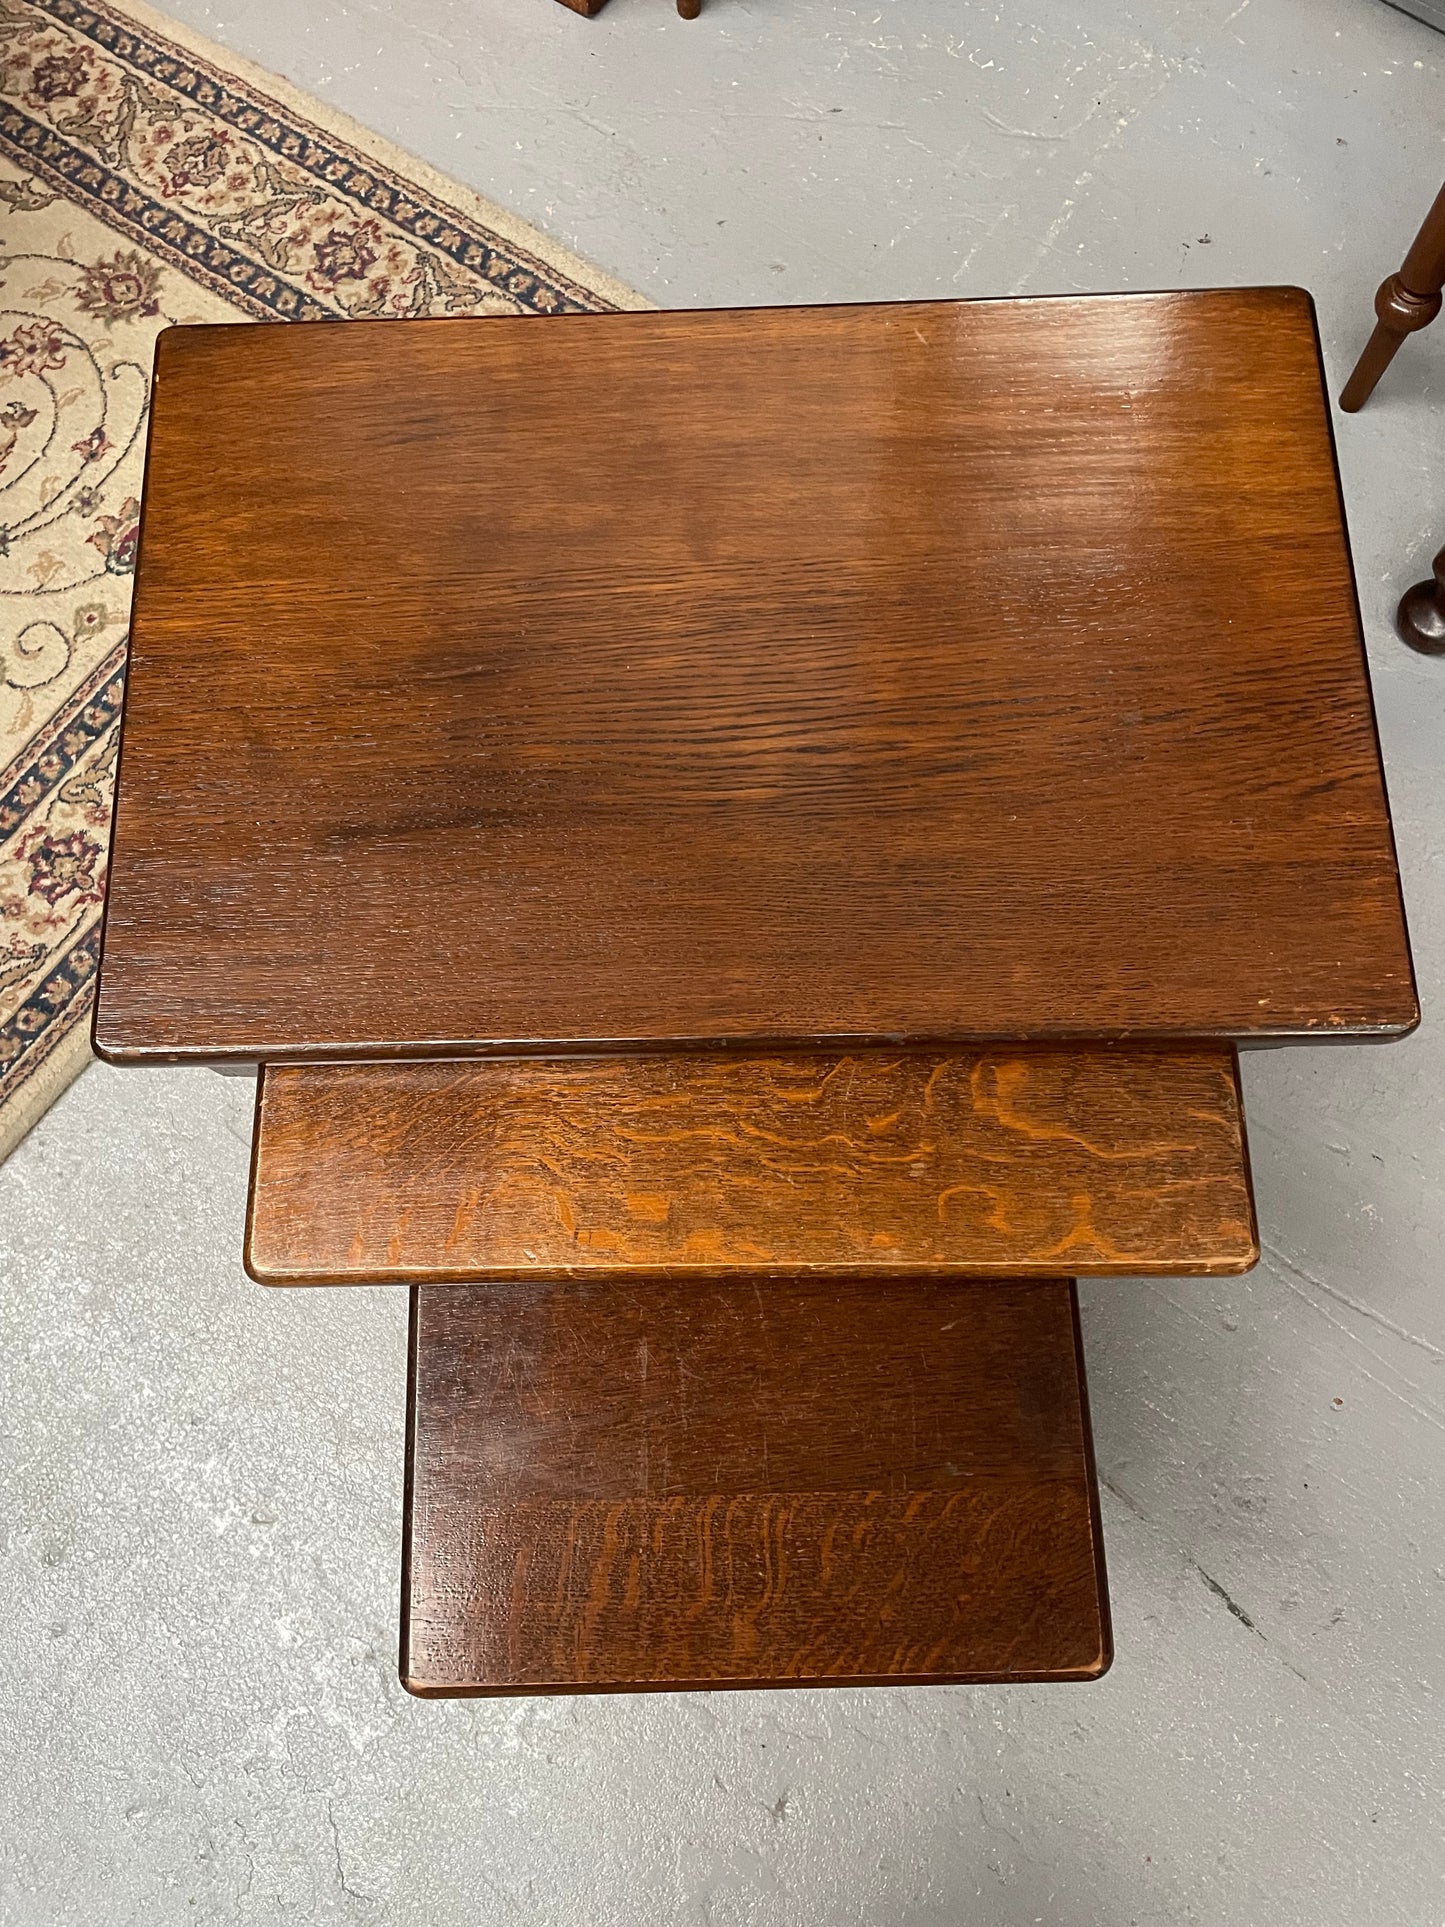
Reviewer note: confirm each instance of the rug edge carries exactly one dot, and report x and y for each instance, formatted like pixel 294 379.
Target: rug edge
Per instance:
pixel 22 1112
pixel 33 1097
pixel 386 153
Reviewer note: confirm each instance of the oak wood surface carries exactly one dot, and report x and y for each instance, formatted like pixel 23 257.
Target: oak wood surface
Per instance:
pixel 651 1485
pixel 986 1161
pixel 936 671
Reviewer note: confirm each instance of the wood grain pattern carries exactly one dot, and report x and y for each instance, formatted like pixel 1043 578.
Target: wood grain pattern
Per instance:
pixel 667 1485
pixel 932 672
pixel 999 1162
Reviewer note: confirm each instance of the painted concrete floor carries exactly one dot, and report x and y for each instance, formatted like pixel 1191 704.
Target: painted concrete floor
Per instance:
pixel 199 1714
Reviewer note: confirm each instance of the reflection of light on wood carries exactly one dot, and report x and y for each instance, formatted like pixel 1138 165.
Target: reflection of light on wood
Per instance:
pixel 928 672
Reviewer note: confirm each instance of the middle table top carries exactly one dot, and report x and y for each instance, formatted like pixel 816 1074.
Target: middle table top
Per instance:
pixel 927 671
pixel 999 1163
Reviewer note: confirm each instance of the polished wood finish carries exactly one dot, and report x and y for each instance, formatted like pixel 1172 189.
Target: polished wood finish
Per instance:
pixel 652 1485
pixel 1404 302
pixel 1010 1163
pixel 934 672
pixel 1420 618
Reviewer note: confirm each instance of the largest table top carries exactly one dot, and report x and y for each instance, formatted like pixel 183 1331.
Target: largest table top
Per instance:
pixel 926 671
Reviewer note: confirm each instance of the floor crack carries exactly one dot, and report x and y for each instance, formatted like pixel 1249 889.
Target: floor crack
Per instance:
pixel 341 1880
pixel 1352 1304
pixel 1206 1579
pixel 1233 1604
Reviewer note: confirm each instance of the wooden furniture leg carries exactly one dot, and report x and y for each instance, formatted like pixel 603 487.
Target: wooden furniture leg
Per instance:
pixel 1406 301
pixel 689 9
pixel 1420 619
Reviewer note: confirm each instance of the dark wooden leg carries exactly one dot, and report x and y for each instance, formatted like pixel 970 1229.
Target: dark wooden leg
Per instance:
pixel 585 6
pixel 1407 301
pixel 1420 618
pixel 689 9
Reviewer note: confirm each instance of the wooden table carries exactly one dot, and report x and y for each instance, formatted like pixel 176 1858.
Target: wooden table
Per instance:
pixel 679 1485
pixel 708 1166
pixel 721 829
pixel 727 1399
pixel 721 1404
pixel 932 672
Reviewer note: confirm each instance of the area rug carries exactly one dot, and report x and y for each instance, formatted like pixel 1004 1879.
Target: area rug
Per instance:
pixel 148 179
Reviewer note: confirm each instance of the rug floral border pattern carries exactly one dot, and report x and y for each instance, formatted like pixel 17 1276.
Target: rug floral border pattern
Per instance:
pixel 73 754
pixel 329 194
pixel 521 278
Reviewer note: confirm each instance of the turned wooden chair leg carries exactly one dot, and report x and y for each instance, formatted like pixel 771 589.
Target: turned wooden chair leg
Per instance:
pixel 1420 618
pixel 689 9
pixel 1407 301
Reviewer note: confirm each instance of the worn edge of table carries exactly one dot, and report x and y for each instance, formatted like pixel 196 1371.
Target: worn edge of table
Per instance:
pixel 1096 1670
pixel 266 1269
pixel 1410 1022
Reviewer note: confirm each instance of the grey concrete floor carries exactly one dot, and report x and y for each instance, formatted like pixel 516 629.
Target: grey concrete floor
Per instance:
pixel 199 1717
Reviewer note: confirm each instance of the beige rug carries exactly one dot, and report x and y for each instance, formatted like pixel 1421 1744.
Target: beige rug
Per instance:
pixel 148 178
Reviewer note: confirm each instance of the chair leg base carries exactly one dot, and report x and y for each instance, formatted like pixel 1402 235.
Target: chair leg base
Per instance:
pixel 689 9
pixel 1420 618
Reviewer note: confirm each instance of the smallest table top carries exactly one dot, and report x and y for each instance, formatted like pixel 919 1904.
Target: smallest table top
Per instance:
pixel 662 1485
pixel 697 1166
pixel 934 672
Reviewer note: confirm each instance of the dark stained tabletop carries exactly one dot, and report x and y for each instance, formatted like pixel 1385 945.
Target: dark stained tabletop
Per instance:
pixel 1002 1162
pixel 931 672
pixel 621 1484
